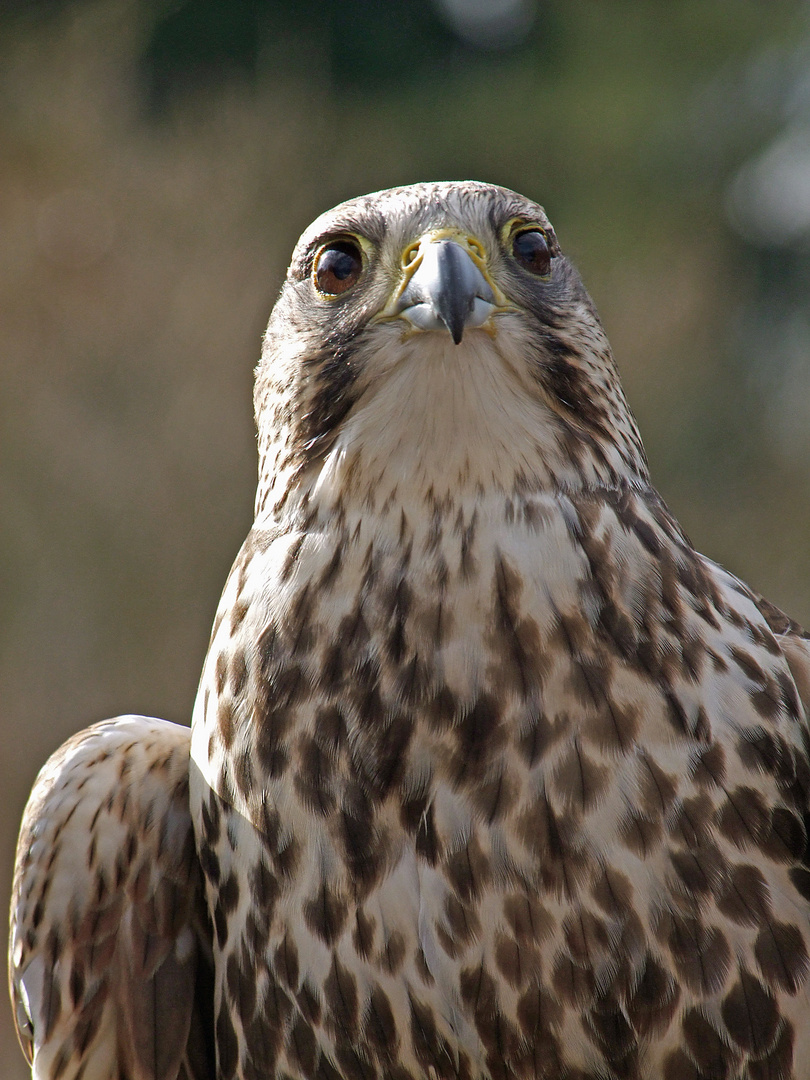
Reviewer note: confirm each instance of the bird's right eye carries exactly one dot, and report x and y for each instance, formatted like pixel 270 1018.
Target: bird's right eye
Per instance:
pixel 337 267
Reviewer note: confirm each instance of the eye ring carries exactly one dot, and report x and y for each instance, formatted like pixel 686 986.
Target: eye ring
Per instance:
pixel 337 267
pixel 531 249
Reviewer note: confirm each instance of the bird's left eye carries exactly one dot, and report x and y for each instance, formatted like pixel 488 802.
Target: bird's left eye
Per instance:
pixel 531 250
pixel 337 267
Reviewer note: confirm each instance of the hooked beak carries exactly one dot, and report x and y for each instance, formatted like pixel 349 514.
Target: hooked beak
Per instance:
pixel 445 288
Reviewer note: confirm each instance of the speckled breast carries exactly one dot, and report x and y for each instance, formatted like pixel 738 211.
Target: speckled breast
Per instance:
pixel 463 811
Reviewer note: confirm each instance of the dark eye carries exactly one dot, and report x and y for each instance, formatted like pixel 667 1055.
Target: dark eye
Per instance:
pixel 530 248
pixel 337 267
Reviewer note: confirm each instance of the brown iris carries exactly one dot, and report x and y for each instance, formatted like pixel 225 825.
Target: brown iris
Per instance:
pixel 531 250
pixel 337 267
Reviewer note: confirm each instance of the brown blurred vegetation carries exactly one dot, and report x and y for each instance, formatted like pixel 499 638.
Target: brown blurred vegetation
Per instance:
pixel 141 248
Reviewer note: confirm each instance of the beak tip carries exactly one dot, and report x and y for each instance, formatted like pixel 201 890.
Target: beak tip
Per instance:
pixel 456 333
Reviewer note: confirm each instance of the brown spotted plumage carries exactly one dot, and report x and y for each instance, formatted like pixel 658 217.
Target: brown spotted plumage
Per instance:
pixel 492 774
pixel 110 958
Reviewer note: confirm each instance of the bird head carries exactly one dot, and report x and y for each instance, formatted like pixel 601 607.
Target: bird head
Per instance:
pixel 436 336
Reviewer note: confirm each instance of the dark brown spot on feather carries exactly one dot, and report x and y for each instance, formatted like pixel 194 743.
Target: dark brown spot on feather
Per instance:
pixel 241 986
pixel 225 721
pixel 463 922
pixel 767 701
pixel 332 569
pixel 513 962
pixel 514 639
pixel 790 696
pixel 579 779
pixel 330 729
pixel 265 1033
pixel 782 956
pixel 778 1062
pixel 653 1002
pixel 613 892
pixel 800 877
pixel 237 673
pixel 393 952
pixel 479 993
pixel 227 1045
pixel 221 672
pixel 479 735
pixel 209 861
pixel 442 710
pixel 744 817
pixel 313 778
pixel 325 1070
pixel 786 839
pixel 679 1066
pixel 751 669
pixel 707 1048
pixel 693 821
pixel 211 818
pixel 229 894
pixel 708 766
pixel 574 983
pixel 640 834
pixel 432 1051
pixel 326 913
pixel 494 796
pixel 363 844
pixel 302 1046
pixel 572 633
pixel 309 1002
pixel 701 953
pixel 353 1061
pixel 363 934
pixel 751 1015
pixel 341 1000
pixel 611 1031
pixel 693 652
pixel 257 932
pixel 539 1012
pixel 701 870
pixel 657 789
pixel 529 921
pixel 379 1025
pixel 417 816
pixel 538 736
pixel 238 612
pixel 586 936
pixel 612 726
pixel 285 962
pixel 676 713
pixel 286 858
pixel 745 897
pixel 468 869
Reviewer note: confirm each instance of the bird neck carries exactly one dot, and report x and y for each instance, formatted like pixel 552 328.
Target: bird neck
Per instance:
pixel 458 424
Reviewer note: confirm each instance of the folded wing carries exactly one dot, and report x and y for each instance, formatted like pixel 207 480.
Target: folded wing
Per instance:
pixel 109 953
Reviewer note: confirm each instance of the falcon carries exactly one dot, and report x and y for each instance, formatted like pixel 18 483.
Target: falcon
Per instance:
pixel 491 774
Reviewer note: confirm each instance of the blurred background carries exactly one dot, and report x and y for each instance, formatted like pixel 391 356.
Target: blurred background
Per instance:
pixel 158 159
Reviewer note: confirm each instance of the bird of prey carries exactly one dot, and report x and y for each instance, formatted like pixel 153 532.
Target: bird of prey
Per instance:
pixel 492 775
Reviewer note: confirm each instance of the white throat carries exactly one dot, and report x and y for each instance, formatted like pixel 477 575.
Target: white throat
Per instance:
pixel 441 418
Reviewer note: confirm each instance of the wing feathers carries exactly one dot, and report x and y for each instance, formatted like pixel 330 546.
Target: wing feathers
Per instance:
pixel 797 654
pixel 109 940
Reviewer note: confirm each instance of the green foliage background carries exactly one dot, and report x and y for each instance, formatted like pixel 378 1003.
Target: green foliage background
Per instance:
pixel 157 162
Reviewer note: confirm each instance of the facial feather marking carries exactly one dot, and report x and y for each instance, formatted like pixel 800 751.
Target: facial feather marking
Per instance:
pixel 535 395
